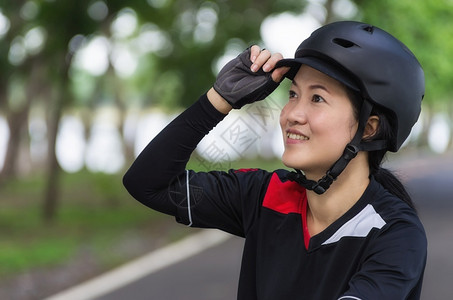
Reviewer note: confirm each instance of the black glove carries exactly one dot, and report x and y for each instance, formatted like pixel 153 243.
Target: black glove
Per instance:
pixel 239 86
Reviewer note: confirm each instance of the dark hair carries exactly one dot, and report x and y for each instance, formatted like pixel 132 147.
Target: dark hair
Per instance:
pixel 375 158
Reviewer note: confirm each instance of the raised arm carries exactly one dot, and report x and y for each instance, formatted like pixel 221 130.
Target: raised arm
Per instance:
pixel 241 81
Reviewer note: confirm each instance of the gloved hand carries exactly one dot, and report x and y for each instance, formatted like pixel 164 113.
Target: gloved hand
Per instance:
pixel 239 85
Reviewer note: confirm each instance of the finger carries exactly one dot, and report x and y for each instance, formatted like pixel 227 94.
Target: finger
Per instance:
pixel 260 60
pixel 277 74
pixel 254 52
pixel 271 62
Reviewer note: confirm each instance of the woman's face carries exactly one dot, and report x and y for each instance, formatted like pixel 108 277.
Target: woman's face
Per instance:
pixel 317 122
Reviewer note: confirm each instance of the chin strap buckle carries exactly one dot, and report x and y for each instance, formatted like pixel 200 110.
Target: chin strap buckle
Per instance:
pixel 321 186
pixel 319 189
pixel 350 151
pixel 324 183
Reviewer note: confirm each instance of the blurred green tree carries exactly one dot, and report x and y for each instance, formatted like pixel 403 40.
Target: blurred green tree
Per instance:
pixel 194 34
pixel 425 27
pixel 178 44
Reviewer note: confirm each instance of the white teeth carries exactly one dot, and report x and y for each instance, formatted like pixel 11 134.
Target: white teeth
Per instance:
pixel 296 136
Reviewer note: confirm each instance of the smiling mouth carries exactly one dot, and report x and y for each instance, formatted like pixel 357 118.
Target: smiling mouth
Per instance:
pixel 295 136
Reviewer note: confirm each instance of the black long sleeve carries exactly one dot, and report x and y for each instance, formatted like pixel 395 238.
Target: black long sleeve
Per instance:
pixel 166 156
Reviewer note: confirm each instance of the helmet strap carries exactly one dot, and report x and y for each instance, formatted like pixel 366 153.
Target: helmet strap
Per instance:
pixel 349 153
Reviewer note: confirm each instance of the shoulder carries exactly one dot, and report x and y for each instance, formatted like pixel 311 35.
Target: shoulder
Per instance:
pixel 393 209
pixel 402 224
pixel 389 206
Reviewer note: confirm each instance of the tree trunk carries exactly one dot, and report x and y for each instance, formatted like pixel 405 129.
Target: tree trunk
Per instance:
pixel 128 148
pixel 59 99
pixel 17 119
pixel 330 15
pixel 52 184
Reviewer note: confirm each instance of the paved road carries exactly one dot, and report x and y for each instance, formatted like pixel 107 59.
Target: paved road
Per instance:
pixel 213 274
pixel 430 182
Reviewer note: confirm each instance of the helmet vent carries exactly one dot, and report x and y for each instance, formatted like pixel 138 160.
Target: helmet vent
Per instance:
pixel 369 29
pixel 343 43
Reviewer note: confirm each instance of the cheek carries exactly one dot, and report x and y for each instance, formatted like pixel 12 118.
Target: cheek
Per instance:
pixel 353 125
pixel 348 129
pixel 339 128
pixel 283 115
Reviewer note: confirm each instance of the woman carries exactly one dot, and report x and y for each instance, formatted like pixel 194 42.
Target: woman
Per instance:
pixel 339 226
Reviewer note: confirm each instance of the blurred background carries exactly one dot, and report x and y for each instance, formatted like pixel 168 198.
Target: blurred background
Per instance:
pixel 85 84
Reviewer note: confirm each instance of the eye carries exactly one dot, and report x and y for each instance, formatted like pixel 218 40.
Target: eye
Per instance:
pixel 292 94
pixel 317 99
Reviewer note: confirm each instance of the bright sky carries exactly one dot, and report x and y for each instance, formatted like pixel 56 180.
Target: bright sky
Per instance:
pixel 284 32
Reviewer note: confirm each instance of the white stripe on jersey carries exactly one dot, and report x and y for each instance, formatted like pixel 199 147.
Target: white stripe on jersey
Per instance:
pixel 359 226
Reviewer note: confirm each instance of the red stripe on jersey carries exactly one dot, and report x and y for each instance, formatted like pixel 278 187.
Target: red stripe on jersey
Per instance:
pixel 245 170
pixel 304 223
pixel 288 197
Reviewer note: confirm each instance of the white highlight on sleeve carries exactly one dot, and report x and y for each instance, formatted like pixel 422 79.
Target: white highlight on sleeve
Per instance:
pixel 188 198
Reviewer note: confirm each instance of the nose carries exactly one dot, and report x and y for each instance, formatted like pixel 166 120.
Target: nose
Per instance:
pixel 296 113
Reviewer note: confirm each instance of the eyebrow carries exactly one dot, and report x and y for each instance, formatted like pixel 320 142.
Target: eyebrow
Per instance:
pixel 313 86
pixel 318 86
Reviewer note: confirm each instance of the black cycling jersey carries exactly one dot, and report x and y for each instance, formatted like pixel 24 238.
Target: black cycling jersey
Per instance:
pixel 376 250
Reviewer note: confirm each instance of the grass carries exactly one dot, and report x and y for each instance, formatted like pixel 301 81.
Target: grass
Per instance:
pixel 95 214
pixel 198 164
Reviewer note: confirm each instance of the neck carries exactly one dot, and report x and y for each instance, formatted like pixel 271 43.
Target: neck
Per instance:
pixel 323 210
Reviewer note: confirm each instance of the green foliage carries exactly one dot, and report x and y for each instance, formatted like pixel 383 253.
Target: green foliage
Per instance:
pixel 196 34
pixel 424 26
pixel 193 51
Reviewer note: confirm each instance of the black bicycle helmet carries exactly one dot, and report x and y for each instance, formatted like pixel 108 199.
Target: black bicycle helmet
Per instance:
pixel 369 59
pixel 376 65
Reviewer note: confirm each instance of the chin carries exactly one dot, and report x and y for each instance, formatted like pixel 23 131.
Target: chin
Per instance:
pixel 291 162
pixel 307 166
